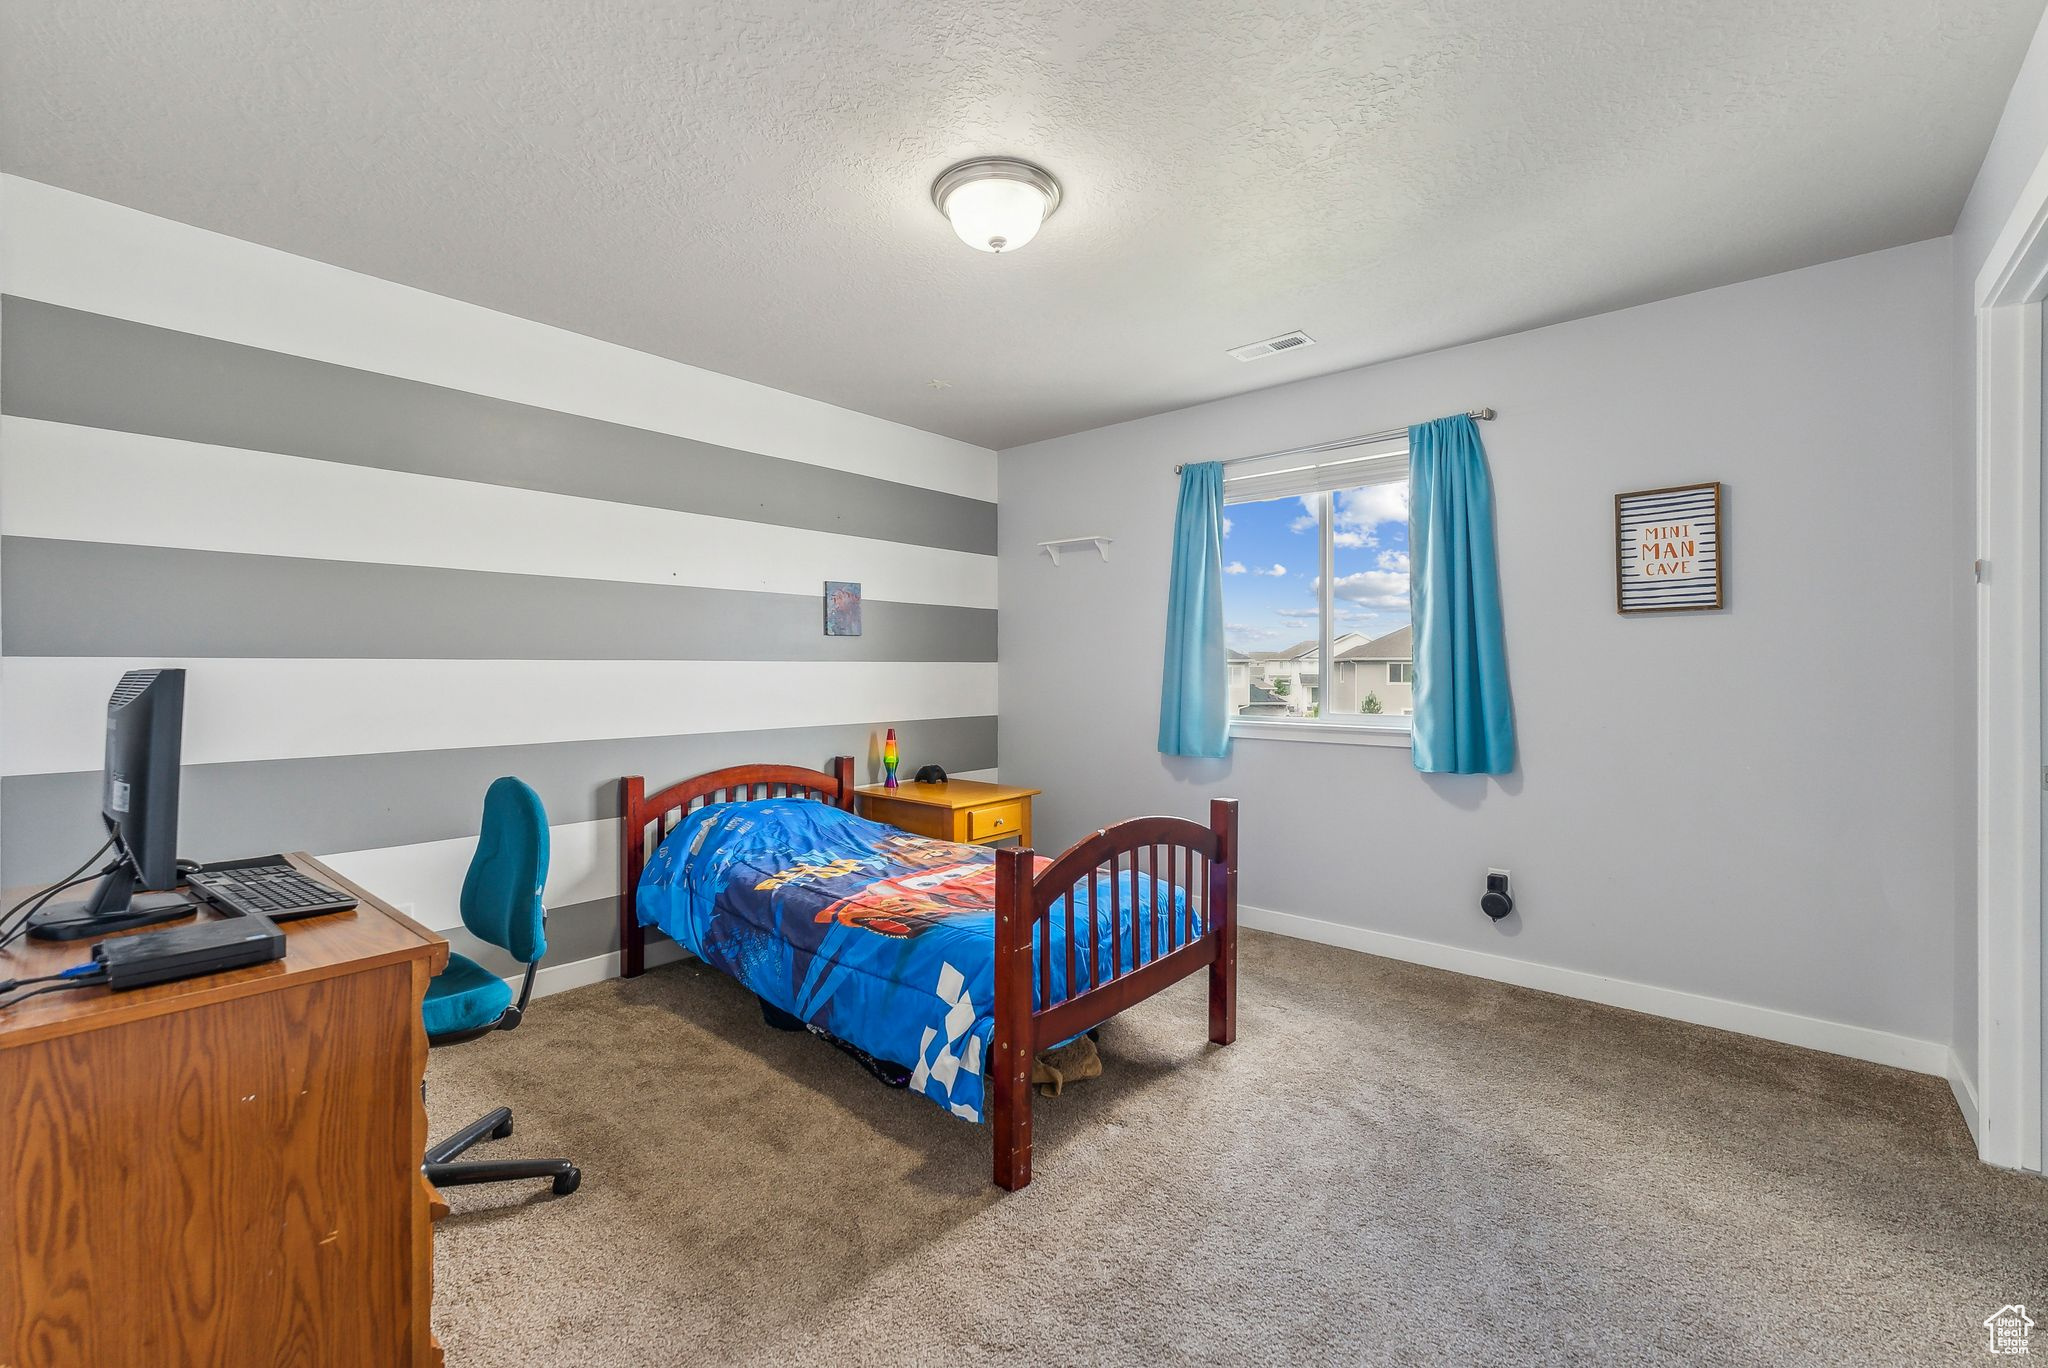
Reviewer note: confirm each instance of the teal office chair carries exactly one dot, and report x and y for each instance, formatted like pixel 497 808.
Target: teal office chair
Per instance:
pixel 501 904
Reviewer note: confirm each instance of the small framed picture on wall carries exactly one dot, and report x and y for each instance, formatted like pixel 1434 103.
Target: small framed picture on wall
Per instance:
pixel 1667 549
pixel 842 608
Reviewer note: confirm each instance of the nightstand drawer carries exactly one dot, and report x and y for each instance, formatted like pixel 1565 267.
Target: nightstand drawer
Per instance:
pixel 998 819
pixel 958 810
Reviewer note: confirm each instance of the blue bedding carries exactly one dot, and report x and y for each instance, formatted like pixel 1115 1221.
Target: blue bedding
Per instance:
pixel 883 939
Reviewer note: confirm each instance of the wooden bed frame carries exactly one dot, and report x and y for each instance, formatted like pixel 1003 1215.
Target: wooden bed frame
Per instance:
pixel 1162 953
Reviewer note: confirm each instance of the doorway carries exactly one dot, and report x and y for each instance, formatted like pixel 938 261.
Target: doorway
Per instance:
pixel 2006 1092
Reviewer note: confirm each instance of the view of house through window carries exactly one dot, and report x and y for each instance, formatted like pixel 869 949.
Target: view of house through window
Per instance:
pixel 1278 616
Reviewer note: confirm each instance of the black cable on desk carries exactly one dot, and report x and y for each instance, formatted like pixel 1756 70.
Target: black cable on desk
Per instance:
pixel 66 981
pixel 89 969
pixel 34 901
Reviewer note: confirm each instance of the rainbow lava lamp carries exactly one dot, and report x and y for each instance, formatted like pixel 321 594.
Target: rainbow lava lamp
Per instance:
pixel 889 757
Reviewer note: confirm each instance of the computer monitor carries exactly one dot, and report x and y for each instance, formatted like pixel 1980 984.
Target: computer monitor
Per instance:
pixel 139 801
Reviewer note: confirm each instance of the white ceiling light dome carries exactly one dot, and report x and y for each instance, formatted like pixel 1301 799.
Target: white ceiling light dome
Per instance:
pixel 996 204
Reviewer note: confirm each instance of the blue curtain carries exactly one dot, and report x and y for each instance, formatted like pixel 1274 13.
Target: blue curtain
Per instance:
pixel 1194 690
pixel 1463 721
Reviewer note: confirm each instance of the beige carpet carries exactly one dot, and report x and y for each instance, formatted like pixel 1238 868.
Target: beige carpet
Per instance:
pixel 1392 1165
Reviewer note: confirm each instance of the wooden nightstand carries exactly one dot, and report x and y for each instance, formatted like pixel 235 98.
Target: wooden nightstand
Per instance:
pixel 964 810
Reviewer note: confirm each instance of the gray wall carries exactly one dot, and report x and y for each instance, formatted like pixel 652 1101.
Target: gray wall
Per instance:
pixel 2016 149
pixel 389 588
pixel 1749 805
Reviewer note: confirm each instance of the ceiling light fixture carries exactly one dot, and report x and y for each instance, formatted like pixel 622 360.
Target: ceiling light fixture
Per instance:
pixel 996 203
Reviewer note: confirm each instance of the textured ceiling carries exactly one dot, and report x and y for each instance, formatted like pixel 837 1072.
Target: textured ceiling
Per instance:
pixel 743 186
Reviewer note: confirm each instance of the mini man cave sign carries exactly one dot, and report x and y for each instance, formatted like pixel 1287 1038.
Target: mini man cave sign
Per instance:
pixel 1668 549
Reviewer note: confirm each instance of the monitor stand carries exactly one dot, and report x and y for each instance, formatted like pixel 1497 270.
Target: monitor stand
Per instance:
pixel 113 906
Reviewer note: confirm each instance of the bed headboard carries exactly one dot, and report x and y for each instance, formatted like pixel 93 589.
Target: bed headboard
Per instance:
pixel 645 816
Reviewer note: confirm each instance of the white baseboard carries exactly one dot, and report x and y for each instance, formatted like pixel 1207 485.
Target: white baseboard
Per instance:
pixel 560 978
pixel 1965 1089
pixel 1832 1037
pixel 1790 1028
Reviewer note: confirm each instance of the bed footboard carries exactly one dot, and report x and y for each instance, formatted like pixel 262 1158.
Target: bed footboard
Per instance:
pixel 1163 939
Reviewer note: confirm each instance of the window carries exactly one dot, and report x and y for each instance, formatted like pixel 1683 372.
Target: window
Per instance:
pixel 1315 553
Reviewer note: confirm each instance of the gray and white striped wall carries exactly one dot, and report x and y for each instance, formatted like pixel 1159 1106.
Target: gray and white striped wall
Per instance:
pixel 404 545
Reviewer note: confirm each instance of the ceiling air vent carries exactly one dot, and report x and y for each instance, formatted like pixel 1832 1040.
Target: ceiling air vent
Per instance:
pixel 1252 351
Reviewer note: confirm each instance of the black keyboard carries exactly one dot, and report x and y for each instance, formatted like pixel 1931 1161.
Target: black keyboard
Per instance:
pixel 268 887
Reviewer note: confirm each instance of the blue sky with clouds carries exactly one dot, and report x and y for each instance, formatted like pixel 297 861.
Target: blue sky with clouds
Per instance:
pixel 1269 567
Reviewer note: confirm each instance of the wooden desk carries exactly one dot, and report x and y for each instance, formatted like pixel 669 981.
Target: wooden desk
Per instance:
pixel 964 810
pixel 225 1169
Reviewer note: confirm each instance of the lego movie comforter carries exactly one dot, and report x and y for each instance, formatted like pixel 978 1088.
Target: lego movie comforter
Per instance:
pixel 883 939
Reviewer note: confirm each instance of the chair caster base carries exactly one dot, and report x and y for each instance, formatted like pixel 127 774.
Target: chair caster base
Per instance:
pixel 443 1169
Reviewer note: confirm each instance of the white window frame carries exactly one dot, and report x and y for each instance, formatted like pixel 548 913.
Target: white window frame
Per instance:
pixel 1394 665
pixel 1343 468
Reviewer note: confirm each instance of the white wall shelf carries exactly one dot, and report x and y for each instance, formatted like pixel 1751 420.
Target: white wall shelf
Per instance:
pixel 1053 548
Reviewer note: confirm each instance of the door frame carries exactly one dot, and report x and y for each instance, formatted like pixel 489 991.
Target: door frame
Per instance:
pixel 2010 773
